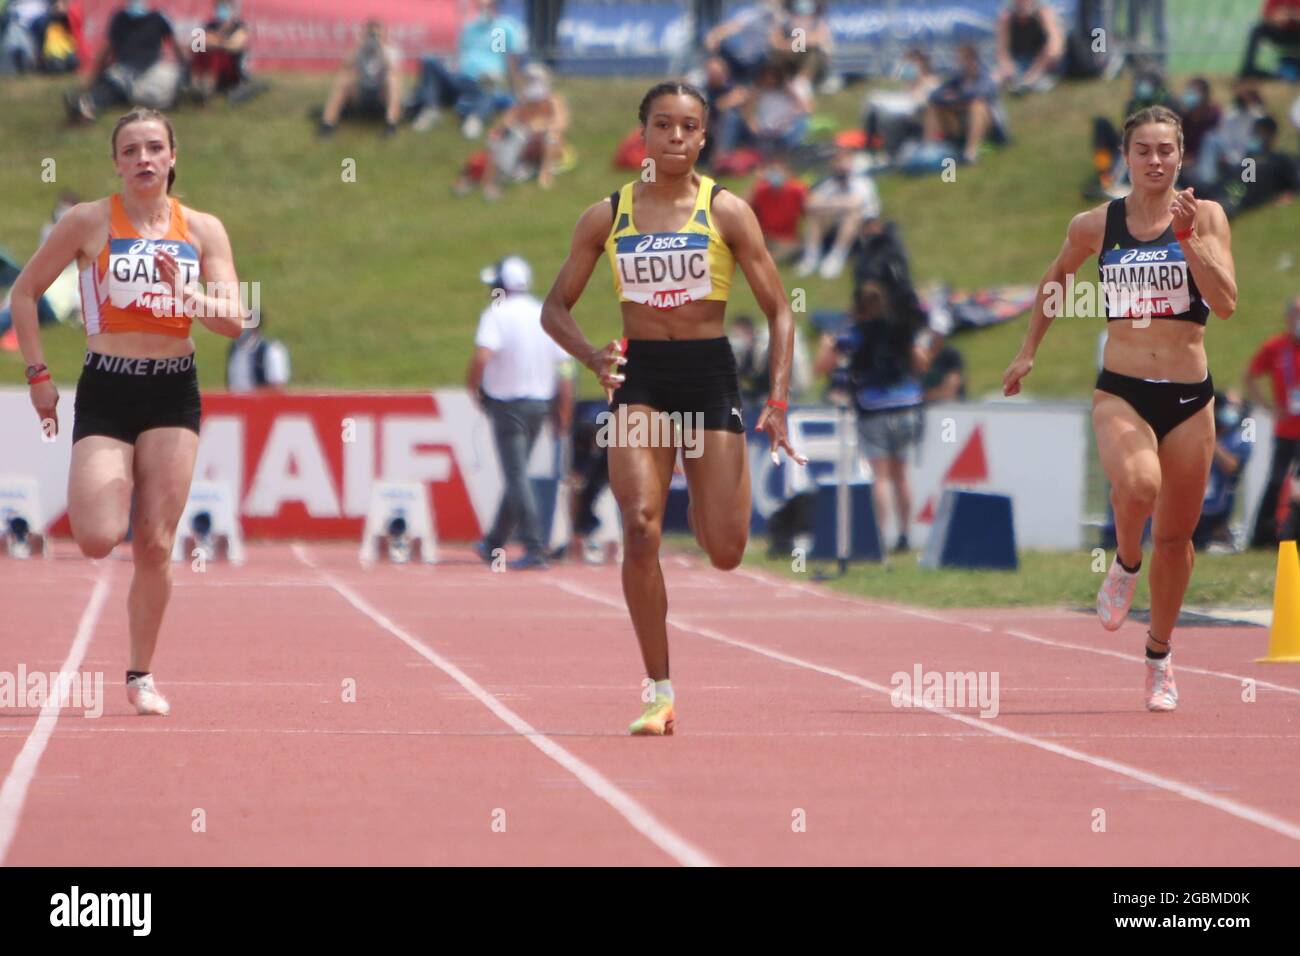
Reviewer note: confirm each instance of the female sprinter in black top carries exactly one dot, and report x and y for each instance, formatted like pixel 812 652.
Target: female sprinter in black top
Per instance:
pixel 673 241
pixel 1166 262
pixel 140 254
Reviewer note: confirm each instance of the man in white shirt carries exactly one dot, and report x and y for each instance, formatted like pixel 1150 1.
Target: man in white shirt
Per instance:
pixel 838 205
pixel 517 371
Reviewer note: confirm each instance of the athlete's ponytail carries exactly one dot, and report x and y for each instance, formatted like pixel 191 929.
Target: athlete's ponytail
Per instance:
pixel 138 115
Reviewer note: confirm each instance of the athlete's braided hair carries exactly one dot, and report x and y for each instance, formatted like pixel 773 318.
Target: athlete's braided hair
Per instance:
pixel 671 88
pixel 1153 114
pixel 139 115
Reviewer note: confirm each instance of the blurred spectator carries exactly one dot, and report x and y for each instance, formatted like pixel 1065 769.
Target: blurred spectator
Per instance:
pixel 1275 176
pixel 774 117
pixel 837 207
pixel 61 301
pixel 60 43
pixel 724 98
pixel 750 344
pixel 778 199
pixel 528 139
pixel 20 35
pixel 1231 453
pixel 1278 359
pixel 945 376
pixel 589 476
pixel 894 117
pixel 254 362
pixel 965 108
pixel 882 258
pixel 130 68
pixel 1225 146
pixel 488 52
pixel 521 375
pixel 803 29
pixel 1279 23
pixel 745 39
pixel 1200 114
pixel 219 67
pixel 369 84
pixel 1030 46
pixel 882 363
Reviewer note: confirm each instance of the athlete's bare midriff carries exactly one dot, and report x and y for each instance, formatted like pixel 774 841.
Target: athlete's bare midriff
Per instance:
pixel 1165 349
pixel 694 320
pixel 140 344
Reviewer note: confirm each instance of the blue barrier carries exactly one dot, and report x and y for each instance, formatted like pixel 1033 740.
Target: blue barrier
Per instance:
pixel 972 530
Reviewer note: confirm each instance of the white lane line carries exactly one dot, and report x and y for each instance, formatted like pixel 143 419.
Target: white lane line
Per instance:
pixel 1232 807
pixel 13 792
pixel 1020 635
pixel 641 819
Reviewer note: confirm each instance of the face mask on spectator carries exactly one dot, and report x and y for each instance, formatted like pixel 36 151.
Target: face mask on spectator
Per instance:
pixel 804 8
pixel 1256 145
pixel 1144 91
pixel 775 178
pixel 1191 99
pixel 223 11
pixel 137 8
pixel 908 72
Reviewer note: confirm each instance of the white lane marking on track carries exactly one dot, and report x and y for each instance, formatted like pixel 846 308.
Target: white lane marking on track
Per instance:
pixel 13 792
pixel 1136 658
pixel 1021 635
pixel 1232 807
pixel 641 819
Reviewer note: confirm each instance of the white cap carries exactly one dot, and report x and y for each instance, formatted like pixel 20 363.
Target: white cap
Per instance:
pixel 537 83
pixel 512 274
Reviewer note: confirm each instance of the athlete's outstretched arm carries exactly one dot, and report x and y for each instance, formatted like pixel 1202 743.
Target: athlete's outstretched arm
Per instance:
pixel 739 227
pixel 1082 239
pixel 1208 250
pixel 557 318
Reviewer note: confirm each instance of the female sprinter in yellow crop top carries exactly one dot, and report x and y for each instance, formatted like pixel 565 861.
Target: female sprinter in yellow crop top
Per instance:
pixel 673 241
pixel 137 404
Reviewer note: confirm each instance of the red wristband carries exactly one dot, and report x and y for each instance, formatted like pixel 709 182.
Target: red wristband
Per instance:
pixel 773 403
pixel 42 377
pixel 1180 236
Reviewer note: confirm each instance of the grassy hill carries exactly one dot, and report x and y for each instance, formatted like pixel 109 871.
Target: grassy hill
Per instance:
pixel 375 282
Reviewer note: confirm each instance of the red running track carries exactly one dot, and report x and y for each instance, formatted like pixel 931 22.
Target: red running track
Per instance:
pixel 488 726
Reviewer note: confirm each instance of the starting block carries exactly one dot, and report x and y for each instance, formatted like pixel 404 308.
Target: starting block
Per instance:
pixel 209 524
pixel 399 524
pixel 22 527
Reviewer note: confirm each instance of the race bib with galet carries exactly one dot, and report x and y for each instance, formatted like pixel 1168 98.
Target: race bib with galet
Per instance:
pixel 1146 283
pixel 664 269
pixel 132 279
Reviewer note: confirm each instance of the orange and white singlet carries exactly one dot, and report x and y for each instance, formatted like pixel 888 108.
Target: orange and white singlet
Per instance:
pixel 121 290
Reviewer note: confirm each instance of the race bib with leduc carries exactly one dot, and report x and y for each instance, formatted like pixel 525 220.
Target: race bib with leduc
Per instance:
pixel 664 269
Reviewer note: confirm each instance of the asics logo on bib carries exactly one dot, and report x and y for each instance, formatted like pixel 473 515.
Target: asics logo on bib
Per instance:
pixel 656 243
pixel 1145 255
pixel 150 246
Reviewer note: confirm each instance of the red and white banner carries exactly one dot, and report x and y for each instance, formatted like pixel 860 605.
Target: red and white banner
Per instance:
pixel 302 464
pixel 307 34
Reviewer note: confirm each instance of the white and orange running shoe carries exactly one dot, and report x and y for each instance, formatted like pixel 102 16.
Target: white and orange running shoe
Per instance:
pixel 144 696
pixel 1116 596
pixel 1162 692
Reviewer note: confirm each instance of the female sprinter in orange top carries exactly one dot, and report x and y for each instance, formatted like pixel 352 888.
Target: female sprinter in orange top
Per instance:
pixel 1166 262
pixel 673 242
pixel 137 404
